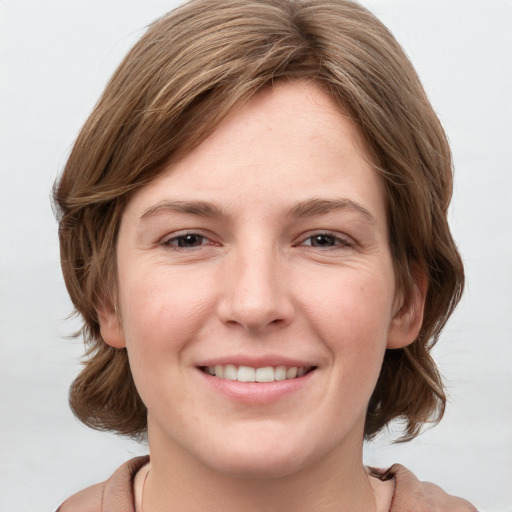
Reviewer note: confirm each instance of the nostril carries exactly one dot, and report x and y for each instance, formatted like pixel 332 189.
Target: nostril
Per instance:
pixel 255 302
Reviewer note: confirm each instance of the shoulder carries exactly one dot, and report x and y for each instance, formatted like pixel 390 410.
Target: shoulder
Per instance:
pixel 87 500
pixel 114 494
pixel 412 494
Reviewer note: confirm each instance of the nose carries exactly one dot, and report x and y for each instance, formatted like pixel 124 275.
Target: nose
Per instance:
pixel 256 293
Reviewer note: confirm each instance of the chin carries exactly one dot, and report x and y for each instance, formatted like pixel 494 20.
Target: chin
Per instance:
pixel 272 459
pixel 255 466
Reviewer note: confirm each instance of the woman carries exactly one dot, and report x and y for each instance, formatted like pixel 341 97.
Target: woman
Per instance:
pixel 253 228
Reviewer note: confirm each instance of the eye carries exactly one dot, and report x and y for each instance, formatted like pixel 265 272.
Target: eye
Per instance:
pixel 186 241
pixel 326 240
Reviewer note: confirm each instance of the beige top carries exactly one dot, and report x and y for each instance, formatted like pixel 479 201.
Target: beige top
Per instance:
pixel 410 495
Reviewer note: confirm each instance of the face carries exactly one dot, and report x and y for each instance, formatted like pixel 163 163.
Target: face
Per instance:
pixel 256 290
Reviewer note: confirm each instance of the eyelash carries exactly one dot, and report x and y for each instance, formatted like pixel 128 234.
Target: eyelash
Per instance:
pixel 173 242
pixel 339 242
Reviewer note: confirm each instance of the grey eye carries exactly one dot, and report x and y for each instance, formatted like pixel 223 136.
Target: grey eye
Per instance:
pixel 187 241
pixel 322 240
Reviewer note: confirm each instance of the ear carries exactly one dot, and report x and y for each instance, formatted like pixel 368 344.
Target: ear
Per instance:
pixel 110 326
pixel 408 317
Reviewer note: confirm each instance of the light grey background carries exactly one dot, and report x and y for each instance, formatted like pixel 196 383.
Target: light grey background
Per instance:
pixel 55 58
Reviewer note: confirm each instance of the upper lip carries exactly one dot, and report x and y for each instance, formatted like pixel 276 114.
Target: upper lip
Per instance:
pixel 256 362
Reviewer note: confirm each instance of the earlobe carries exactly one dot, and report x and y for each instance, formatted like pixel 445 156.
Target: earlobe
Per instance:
pixel 110 327
pixel 408 318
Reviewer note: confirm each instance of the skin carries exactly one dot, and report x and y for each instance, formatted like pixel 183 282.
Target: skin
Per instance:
pixel 264 279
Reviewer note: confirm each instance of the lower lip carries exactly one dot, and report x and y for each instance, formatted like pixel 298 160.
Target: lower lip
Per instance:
pixel 257 392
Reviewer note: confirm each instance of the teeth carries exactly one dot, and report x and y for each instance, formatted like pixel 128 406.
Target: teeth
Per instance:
pixel 280 373
pixel 246 374
pixel 230 372
pixel 265 374
pixel 291 373
pixel 249 374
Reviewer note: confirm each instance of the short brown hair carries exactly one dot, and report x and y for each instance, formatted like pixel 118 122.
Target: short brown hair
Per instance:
pixel 189 70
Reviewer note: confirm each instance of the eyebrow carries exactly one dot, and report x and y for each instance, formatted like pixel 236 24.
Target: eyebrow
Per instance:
pixel 307 208
pixel 311 207
pixel 199 208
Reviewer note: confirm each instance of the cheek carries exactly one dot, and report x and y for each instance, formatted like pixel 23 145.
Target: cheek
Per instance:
pixel 162 310
pixel 352 315
pixel 354 326
pixel 162 314
pixel 354 304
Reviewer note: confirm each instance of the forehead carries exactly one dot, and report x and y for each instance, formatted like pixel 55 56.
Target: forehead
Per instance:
pixel 302 107
pixel 291 140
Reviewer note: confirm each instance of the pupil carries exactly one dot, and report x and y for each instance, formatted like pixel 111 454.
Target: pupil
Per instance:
pixel 189 241
pixel 322 240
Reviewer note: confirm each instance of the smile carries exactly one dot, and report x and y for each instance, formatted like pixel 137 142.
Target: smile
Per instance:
pixel 250 374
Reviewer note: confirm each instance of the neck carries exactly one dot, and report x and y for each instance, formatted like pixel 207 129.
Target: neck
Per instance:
pixel 179 482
